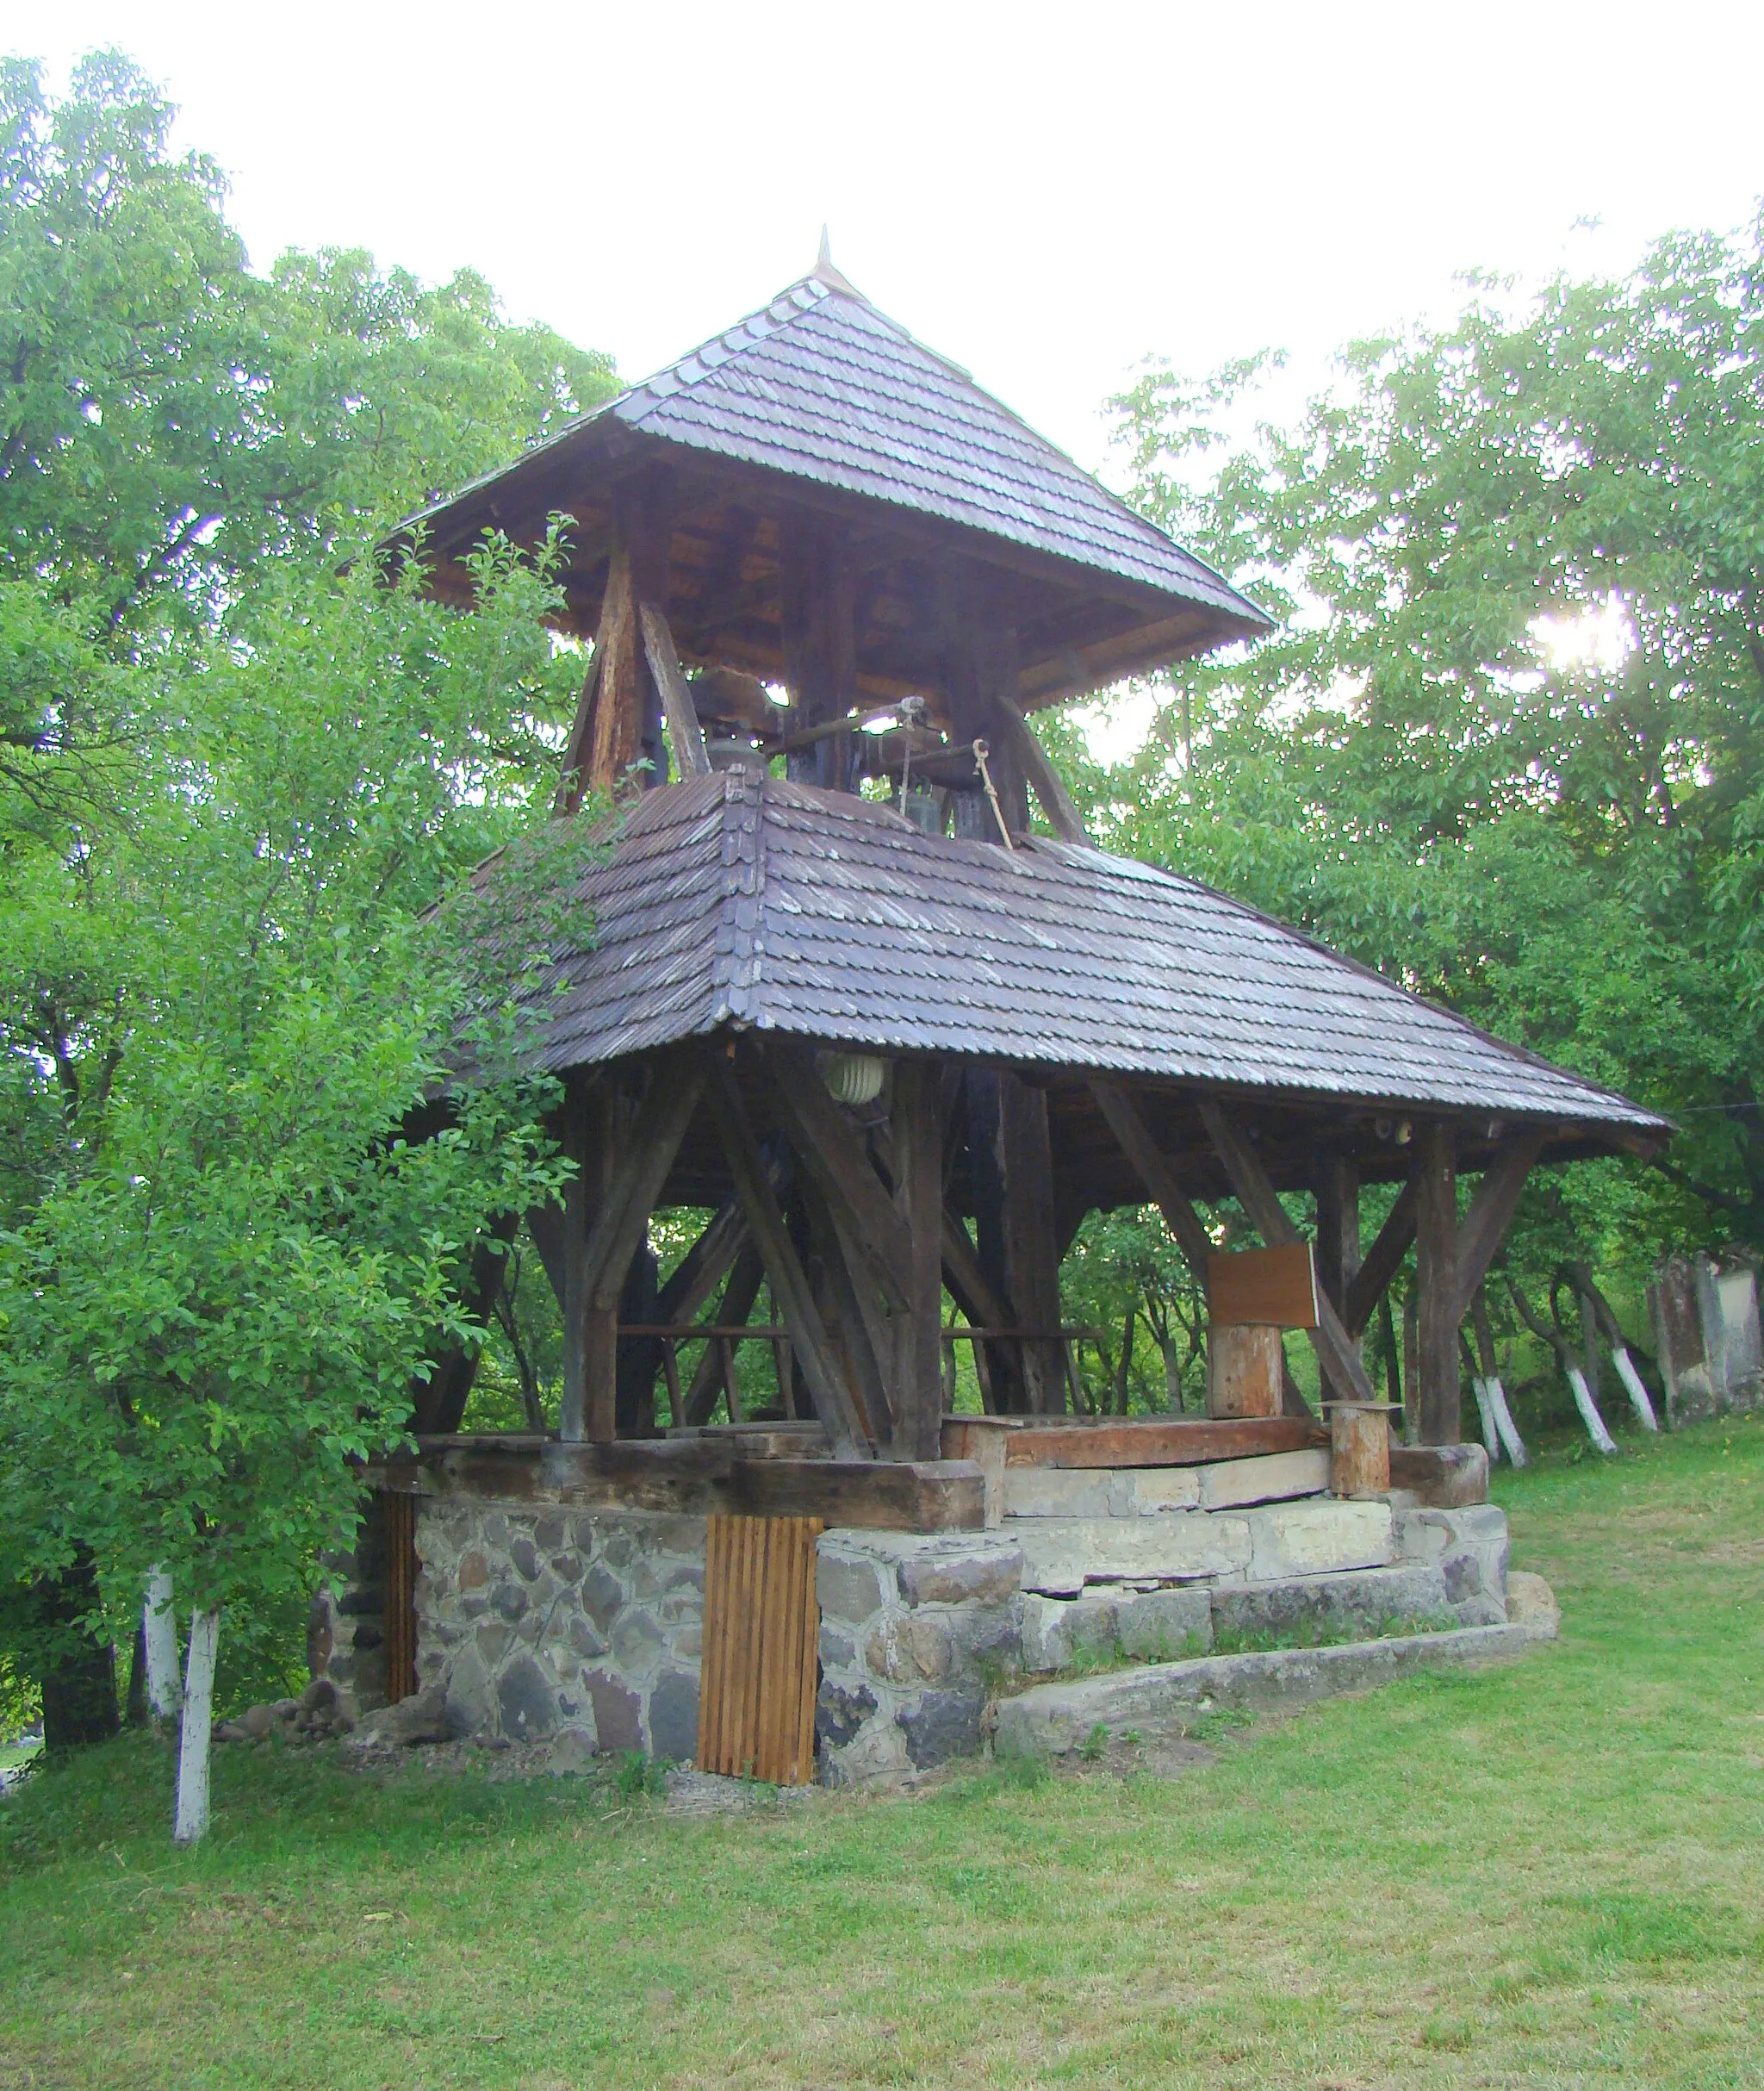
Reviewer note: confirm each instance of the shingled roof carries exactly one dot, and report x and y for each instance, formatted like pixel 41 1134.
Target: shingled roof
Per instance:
pixel 742 901
pixel 819 396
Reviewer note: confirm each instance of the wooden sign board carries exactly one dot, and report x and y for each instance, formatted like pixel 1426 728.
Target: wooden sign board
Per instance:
pixel 1275 1287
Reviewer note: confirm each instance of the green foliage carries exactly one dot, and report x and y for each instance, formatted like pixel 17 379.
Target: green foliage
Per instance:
pixel 240 767
pixel 1505 742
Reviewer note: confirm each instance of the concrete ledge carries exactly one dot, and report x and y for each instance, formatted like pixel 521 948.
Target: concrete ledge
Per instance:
pixel 1050 1720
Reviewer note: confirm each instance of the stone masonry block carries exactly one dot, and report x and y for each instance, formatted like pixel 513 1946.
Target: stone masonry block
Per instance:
pixel 849 1588
pixel 1309 1608
pixel 1318 1538
pixel 1062 1491
pixel 1273 1477
pixel 987 1575
pixel 1163 1626
pixel 1152 1490
pixel 1061 1555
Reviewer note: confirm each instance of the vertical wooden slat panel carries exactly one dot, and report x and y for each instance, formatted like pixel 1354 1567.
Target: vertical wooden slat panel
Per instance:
pixel 762 1638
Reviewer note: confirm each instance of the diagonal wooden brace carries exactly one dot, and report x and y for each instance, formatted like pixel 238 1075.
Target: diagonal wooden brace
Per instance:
pixel 1338 1356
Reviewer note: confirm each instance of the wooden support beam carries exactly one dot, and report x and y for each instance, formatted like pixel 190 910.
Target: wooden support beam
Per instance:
pixel 700 1271
pixel 1382 1262
pixel 438 1402
pixel 968 1282
pixel 1492 1210
pixel 636 1181
pixel 1438 1306
pixel 829 1151
pixel 1031 1250
pixel 1003 1366
pixel 746 1276
pixel 620 704
pixel 590 1339
pixel 1044 779
pixel 1133 1136
pixel 1337 1355
pixel 790 1284
pixel 918 1388
pixel 818 638
pixel 683 729
pixel 1337 1192
pixel 858 1323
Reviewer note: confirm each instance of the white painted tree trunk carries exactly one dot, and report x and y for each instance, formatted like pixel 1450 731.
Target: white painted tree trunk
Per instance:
pixel 1485 1408
pixel 192 1817
pixel 160 1622
pixel 1632 1386
pixel 1589 1410
pixel 1508 1431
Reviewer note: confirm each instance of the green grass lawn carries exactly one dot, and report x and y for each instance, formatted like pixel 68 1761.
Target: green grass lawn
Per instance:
pixel 1551 1873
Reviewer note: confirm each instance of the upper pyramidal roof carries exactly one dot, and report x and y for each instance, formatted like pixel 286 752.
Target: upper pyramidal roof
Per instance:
pixel 819 396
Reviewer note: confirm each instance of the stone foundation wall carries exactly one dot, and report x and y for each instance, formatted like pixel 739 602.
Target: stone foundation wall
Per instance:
pixel 918 1635
pixel 534 1621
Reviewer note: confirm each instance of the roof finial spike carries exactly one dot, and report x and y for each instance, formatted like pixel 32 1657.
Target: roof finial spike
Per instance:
pixel 824 272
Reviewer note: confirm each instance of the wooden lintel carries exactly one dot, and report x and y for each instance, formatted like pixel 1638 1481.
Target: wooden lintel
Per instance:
pixel 1159 1441
pixel 895 1494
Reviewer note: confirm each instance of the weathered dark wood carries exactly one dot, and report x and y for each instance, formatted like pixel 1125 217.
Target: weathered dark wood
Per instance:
pixel 681 1474
pixel 966 1279
pixel 439 1402
pixel 683 729
pixel 700 1271
pixel 790 1284
pixel 1337 1355
pixel 895 1494
pixel 636 1179
pixel 917 1127
pixel 857 1320
pixel 817 639
pixel 590 1340
pixel 746 1276
pixel 999 1365
pixel 830 1151
pixel 1383 1261
pixel 1159 1441
pixel 1338 1193
pixel 1440 1303
pixel 1031 1251
pixel 1133 1135
pixel 1480 1234
pixel 1044 779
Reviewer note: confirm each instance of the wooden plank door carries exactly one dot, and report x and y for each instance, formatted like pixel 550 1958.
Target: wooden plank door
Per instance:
pixel 399 1525
pixel 762 1635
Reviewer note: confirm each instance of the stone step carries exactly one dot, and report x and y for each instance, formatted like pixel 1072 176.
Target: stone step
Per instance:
pixel 1051 1720
pixel 1269 1544
pixel 1145 1491
pixel 1188 1620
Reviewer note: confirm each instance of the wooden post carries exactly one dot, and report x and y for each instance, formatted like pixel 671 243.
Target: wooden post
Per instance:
pixel 916 1395
pixel 1338 1188
pixel 1243 1360
pixel 1359 1449
pixel 998 1364
pixel 590 1341
pixel 618 721
pixel 1031 1250
pixel 1436 1268
pixel 819 636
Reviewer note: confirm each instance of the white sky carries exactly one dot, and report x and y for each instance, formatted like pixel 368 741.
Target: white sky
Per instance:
pixel 1046 194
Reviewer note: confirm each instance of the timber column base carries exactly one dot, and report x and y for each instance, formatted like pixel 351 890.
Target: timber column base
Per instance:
pixel 1244 1361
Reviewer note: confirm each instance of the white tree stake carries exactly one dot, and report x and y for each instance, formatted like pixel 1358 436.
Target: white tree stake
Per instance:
pixel 1504 1423
pixel 1632 1385
pixel 1589 1410
pixel 1491 1437
pixel 161 1633
pixel 192 1817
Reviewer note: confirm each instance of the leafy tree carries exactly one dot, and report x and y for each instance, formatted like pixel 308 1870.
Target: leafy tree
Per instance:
pixel 1505 744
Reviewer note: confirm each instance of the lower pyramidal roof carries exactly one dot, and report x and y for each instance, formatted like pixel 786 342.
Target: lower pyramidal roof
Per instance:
pixel 741 900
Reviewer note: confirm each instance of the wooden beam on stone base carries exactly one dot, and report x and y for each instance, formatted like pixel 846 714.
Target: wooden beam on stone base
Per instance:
pixel 789 1286
pixel 1437 1307
pixel 1031 1243
pixel 1338 1354
pixel 918 1386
